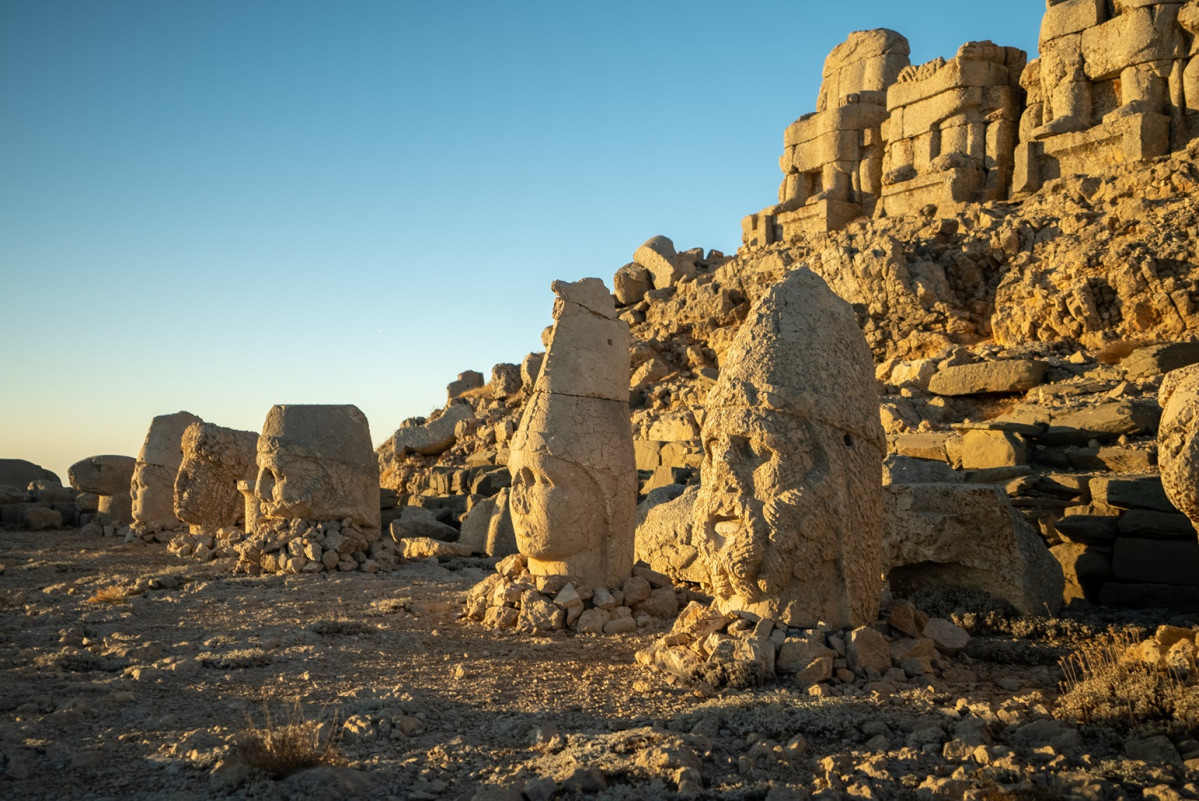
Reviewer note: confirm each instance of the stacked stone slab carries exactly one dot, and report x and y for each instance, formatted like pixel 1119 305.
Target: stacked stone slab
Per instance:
pixel 1115 82
pixel 110 478
pixel 152 488
pixel 952 129
pixel 316 499
pixel 833 158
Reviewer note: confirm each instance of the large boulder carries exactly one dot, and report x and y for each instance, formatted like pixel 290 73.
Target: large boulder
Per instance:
pixel 967 536
pixel 19 473
pixel 1178 439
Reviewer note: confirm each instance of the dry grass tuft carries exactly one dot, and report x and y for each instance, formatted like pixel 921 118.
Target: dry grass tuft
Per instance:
pixel 1107 682
pixel 112 594
pixel 280 749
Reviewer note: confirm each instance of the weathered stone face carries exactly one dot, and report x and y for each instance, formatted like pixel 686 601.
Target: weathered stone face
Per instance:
pixel 214 460
pixel 153 486
pixel 788 517
pixel 574 491
pixel 315 463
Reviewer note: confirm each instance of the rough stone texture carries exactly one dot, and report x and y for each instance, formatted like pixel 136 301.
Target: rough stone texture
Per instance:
pixel 573 494
pixel 468 380
pixel 664 537
pixel 152 489
pixel 215 458
pixel 659 258
pixel 952 129
pixel 630 283
pixel 416 522
pixel 103 475
pixel 1012 375
pixel 1113 84
pixel 964 536
pixel 832 160
pixel 19 473
pixel 315 463
pixel 1178 439
pixel 789 513
pixel 110 477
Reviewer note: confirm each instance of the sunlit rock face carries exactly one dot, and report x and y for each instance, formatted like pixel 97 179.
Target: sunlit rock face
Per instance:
pixel 153 487
pixel 574 479
pixel 215 458
pixel 788 518
pixel 1178 439
pixel 316 463
pixel 109 477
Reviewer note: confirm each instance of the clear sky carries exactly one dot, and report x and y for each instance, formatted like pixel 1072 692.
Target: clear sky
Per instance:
pixel 219 205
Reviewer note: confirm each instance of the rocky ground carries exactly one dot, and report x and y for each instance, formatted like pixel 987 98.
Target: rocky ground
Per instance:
pixel 142 691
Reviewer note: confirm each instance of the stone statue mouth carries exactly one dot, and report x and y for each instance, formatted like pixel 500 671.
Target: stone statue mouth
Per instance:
pixel 724 528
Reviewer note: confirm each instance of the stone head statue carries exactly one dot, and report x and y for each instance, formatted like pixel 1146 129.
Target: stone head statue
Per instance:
pixel 215 458
pixel 152 489
pixel 574 491
pixel 788 516
pixel 316 463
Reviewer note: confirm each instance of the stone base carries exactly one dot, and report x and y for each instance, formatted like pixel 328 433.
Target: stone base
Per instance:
pixel 1135 137
pixel 943 189
pixel 818 218
pixel 305 546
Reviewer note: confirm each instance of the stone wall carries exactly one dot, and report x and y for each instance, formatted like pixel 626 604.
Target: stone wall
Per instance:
pixel 1116 83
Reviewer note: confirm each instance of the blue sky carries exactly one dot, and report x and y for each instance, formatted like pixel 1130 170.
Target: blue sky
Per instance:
pixel 218 206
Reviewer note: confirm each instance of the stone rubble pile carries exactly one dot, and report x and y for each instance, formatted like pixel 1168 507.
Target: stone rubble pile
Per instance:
pixel 305 546
pixel 515 599
pixel 903 648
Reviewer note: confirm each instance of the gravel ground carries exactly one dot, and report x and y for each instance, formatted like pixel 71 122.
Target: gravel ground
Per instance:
pixel 144 695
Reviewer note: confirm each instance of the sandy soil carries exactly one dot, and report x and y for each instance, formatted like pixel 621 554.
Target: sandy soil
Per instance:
pixel 143 698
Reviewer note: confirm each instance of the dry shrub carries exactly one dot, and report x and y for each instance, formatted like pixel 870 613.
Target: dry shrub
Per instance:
pixel 1107 684
pixel 476 392
pixel 280 749
pixel 112 594
pixel 1115 352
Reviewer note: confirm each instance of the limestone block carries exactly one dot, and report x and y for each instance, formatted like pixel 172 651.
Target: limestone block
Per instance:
pixel 1136 37
pixel 1158 561
pixel 1154 360
pixel 417 522
pixel 214 460
pixel 630 283
pixel 867 61
pixel 664 538
pixel 115 510
pixel 1103 421
pixel 791 432
pixel 103 475
pixel 982 450
pixel 677 426
pixel 501 536
pixel 471 379
pixel 932 445
pixel 647 454
pixel 505 380
pixel 429 438
pixel 530 369
pixel 1131 492
pixel 1006 375
pixel 315 463
pixel 926 115
pixel 476 524
pixel 19 472
pixel 967 536
pixel 152 489
pixel 573 494
pixel 1071 16
pixel 954 75
pixel 657 255
pixel 833 146
pixel 853 117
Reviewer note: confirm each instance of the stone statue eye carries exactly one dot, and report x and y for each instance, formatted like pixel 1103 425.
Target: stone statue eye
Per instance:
pixel 849 440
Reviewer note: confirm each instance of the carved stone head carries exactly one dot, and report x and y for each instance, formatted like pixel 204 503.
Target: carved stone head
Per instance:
pixel 152 489
pixel 788 516
pixel 573 489
pixel 214 460
pixel 316 463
